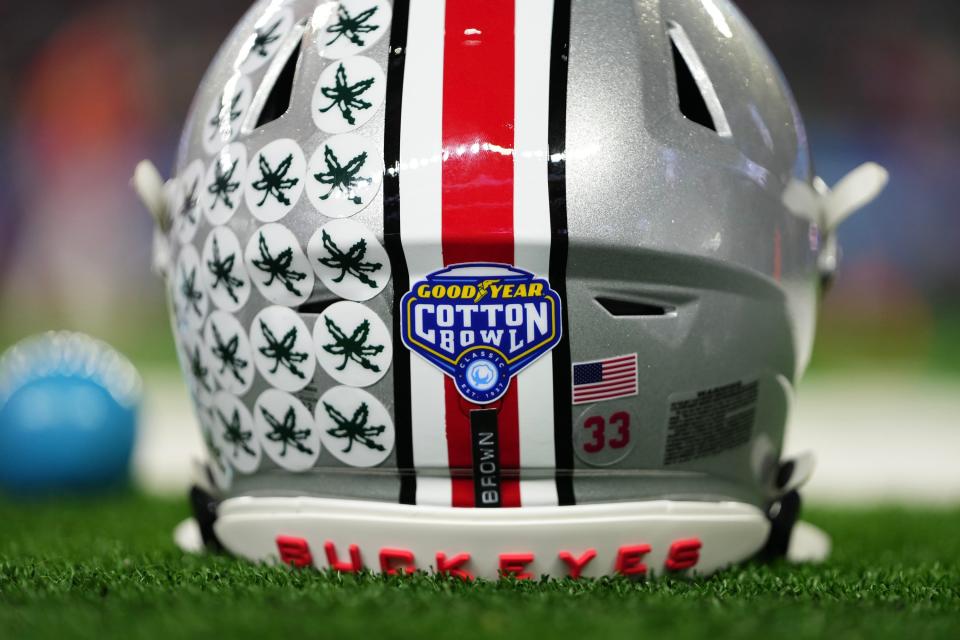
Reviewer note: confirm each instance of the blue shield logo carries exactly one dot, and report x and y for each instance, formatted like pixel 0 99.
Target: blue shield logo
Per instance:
pixel 481 324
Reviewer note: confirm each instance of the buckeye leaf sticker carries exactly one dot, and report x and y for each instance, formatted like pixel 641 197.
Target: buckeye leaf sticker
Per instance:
pixel 353 344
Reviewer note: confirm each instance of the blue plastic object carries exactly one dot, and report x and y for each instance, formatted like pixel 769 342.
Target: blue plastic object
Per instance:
pixel 68 416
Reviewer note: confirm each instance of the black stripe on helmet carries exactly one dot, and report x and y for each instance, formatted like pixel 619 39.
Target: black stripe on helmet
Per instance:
pixel 557 176
pixel 394 246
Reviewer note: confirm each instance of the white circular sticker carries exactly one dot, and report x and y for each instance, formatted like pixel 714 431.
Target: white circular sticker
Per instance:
pixel 226 114
pixel 282 349
pixel 344 175
pixel 286 431
pixel 234 424
pixel 348 94
pixel 278 266
pixel 349 260
pixel 173 196
pixel 353 344
pixel 269 34
pixel 275 180
pixel 189 296
pixel 186 208
pixel 230 353
pixel 355 26
pixel 199 370
pixel 177 320
pixel 223 190
pixel 355 427
pixel 602 437
pixel 217 464
pixel 223 271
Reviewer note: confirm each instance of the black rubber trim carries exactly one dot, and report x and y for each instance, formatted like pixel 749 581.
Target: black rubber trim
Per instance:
pixel 783 515
pixel 204 507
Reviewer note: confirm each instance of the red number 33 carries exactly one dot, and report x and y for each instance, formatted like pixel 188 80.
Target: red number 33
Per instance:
pixel 598 427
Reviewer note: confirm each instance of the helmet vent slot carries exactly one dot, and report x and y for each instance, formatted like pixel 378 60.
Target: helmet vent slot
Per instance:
pixel 315 307
pixel 278 101
pixel 634 309
pixel 696 95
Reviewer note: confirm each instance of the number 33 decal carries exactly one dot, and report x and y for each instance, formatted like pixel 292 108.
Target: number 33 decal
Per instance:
pixel 603 440
pixel 619 424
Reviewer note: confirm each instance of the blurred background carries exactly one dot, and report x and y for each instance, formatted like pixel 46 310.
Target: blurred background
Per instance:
pixel 89 87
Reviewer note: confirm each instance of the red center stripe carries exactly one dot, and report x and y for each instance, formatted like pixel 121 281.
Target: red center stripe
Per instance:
pixel 478 120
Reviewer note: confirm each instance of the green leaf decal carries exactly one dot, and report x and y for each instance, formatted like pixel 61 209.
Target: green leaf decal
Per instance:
pixel 222 272
pixel 351 262
pixel 226 115
pixel 223 186
pixel 188 209
pixel 345 96
pixel 233 434
pixel 278 268
pixel 265 37
pixel 343 178
pixel 226 353
pixel 198 371
pixel 281 351
pixel 354 347
pixel 352 27
pixel 190 292
pixel 274 182
pixel 286 432
pixel 355 429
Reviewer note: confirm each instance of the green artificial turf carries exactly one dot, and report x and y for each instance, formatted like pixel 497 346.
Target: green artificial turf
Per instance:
pixel 107 568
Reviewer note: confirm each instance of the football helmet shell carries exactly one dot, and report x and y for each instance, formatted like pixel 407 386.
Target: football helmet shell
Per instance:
pixel 514 282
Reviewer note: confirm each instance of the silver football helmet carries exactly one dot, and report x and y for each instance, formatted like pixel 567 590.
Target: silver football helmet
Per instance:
pixel 516 287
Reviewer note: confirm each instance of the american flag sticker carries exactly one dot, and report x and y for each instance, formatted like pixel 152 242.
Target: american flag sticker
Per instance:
pixel 605 379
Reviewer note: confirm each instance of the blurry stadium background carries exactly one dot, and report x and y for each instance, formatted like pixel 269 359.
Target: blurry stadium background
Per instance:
pixel 89 87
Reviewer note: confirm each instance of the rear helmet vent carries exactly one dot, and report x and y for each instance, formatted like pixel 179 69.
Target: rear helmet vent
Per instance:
pixel 633 309
pixel 696 95
pixel 278 100
pixel 315 306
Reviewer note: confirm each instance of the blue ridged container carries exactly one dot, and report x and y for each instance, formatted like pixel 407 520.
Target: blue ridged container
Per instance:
pixel 69 407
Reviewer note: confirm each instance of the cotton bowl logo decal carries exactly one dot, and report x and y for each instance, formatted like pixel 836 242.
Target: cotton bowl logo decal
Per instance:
pixel 481 324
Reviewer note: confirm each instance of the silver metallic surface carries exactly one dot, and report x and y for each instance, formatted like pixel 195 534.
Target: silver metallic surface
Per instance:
pixel 665 211
pixel 661 210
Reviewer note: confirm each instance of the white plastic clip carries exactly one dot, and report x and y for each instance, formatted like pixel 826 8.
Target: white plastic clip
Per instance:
pixel 802 467
pixel 188 538
pixel 858 189
pixel 149 185
pixel 808 544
